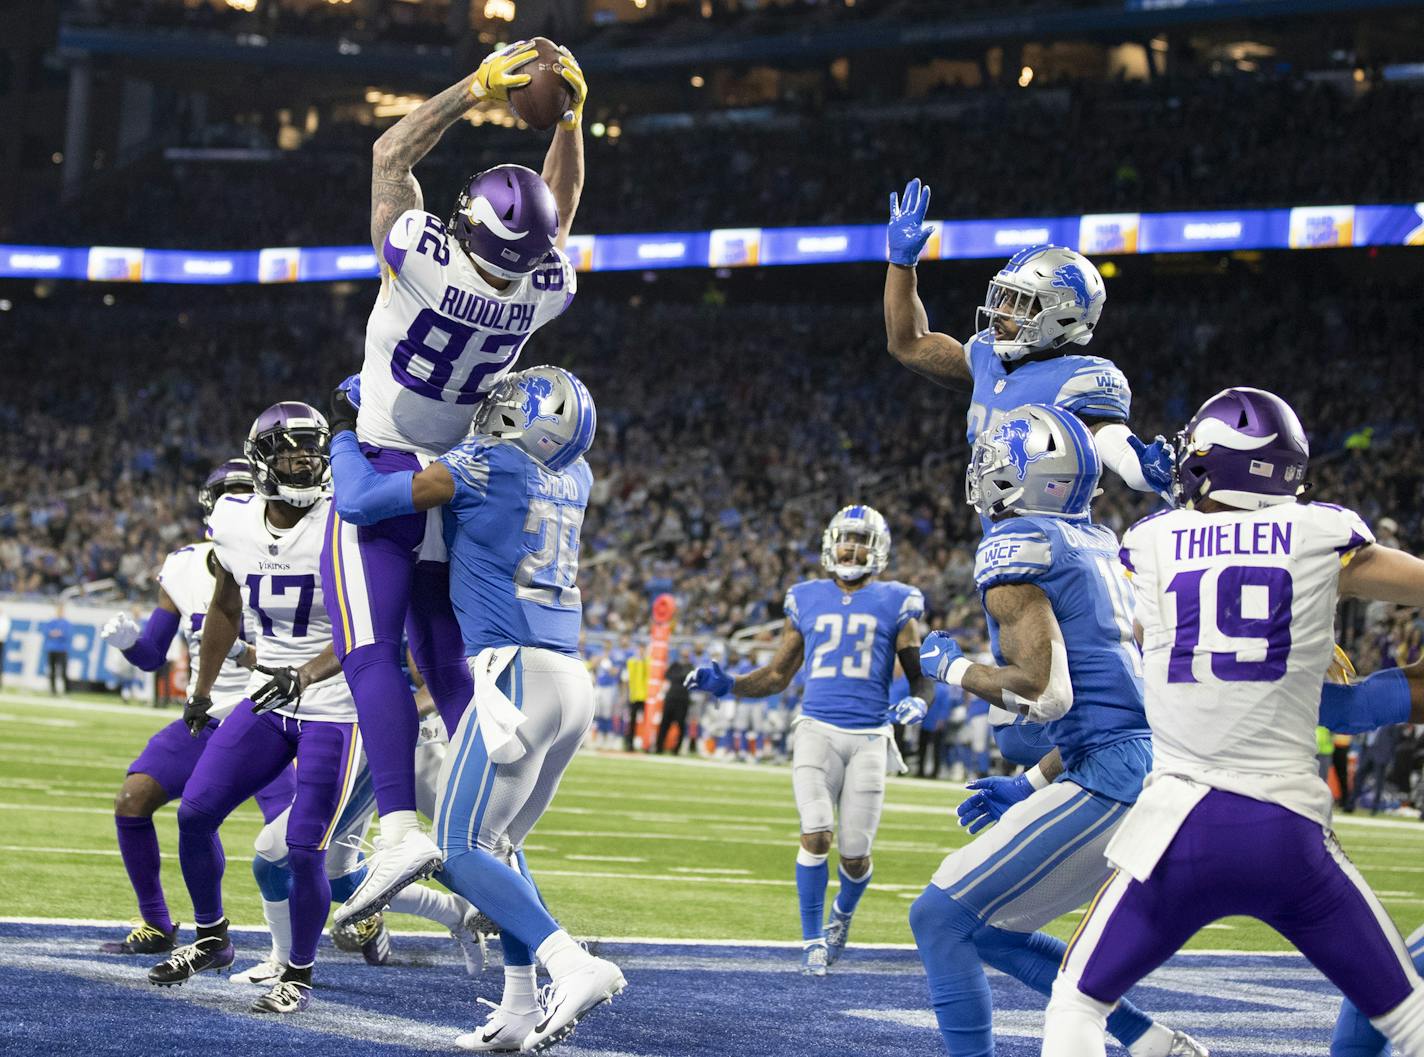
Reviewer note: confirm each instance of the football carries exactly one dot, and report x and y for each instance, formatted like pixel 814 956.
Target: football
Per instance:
pixel 542 102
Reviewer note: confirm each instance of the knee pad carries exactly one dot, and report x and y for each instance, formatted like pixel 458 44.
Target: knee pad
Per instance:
pixel 274 880
pixel 192 818
pixel 934 913
pixel 306 861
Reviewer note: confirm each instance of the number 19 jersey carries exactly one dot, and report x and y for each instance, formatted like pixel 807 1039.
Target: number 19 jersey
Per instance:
pixel 440 337
pixel 850 646
pixel 1238 610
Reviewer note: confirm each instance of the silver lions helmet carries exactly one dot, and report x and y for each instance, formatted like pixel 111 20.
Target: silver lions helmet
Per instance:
pixel 865 528
pixel 1043 298
pixel 1036 460
pixel 546 411
pixel 287 448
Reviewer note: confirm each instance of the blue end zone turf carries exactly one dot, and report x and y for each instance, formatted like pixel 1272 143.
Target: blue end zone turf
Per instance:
pixel 59 995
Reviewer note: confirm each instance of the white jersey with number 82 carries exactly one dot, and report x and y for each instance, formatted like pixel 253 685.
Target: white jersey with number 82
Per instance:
pixel 440 337
pixel 1238 610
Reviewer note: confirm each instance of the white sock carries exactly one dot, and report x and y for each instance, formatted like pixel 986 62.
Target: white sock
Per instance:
pixel 1076 1025
pixel 397 824
pixel 1404 1025
pixel 521 990
pixel 1157 1042
pixel 561 955
pixel 427 903
pixel 279 924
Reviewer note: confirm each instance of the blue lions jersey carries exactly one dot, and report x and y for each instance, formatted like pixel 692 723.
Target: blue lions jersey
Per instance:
pixel 850 647
pixel 1104 737
pixel 512 529
pixel 1089 386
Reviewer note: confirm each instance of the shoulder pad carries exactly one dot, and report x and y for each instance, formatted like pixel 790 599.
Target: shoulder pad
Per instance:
pixel 1014 551
pixel 1345 529
pixel 1095 389
pixel 469 463
pixel 912 604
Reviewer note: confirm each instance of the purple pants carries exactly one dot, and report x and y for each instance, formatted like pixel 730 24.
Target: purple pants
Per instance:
pixel 1235 855
pixel 378 589
pixel 246 753
pixel 171 755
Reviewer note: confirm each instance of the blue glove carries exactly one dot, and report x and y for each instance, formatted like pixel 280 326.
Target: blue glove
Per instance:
pixel 709 678
pixel 937 653
pixel 906 233
pixel 908 710
pixel 992 798
pixel 1159 466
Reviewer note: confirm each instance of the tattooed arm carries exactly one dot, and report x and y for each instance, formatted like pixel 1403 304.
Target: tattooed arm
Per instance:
pixel 393 185
pixel 929 353
pixel 1035 680
pixel 776 675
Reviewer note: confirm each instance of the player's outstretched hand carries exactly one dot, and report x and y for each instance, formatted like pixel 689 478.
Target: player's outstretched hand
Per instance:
pixel 344 405
pixel 906 233
pixel 1159 466
pixel 572 74
pixel 709 678
pixel 120 632
pixel 496 75
pixel 937 653
pixel 284 688
pixel 908 711
pixel 195 713
pixel 992 797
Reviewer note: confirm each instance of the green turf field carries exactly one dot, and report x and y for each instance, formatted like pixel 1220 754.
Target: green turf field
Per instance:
pixel 631 846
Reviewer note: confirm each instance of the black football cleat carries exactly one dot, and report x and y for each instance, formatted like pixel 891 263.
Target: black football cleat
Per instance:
pixel 144 939
pixel 209 953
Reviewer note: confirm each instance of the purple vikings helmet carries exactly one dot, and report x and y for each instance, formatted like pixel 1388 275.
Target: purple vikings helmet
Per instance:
pixel 235 475
pixel 506 219
pixel 281 433
pixel 1245 448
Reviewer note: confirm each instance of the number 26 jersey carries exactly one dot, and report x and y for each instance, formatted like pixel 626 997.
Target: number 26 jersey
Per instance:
pixel 440 337
pixel 850 646
pixel 1238 612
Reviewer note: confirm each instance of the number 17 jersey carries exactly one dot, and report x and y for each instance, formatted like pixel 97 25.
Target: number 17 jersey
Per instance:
pixel 440 337
pixel 850 646
pixel 1238 610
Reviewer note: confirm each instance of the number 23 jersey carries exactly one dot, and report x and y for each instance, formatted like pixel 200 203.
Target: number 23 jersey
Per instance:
pixel 279 575
pixel 850 646
pixel 440 337
pixel 1238 611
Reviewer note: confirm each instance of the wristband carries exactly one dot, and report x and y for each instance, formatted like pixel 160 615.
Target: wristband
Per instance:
pixel 958 668
pixel 1036 779
pixel 236 650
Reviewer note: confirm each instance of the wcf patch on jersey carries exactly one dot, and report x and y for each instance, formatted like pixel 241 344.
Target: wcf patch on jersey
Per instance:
pixel 1005 554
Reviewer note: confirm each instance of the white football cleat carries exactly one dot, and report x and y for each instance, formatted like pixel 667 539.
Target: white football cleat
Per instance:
pixel 265 973
pixel 837 933
pixel 503 1031
pixel 471 939
pixel 392 867
pixel 568 1000
pixel 1183 1045
pixel 814 959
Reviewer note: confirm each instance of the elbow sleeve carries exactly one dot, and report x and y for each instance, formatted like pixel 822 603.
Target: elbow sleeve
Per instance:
pixel 1057 696
pixel 1118 455
pixel 363 495
pixel 151 649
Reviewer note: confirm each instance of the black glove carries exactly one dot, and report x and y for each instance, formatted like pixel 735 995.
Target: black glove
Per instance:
pixel 195 713
pixel 284 688
pixel 341 414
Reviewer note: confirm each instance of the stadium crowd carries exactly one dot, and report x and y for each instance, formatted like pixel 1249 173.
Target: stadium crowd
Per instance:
pixel 728 433
pixel 1277 141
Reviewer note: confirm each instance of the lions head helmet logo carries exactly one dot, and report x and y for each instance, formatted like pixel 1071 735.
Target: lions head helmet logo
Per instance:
pixel 1071 277
pixel 536 389
pixel 1013 435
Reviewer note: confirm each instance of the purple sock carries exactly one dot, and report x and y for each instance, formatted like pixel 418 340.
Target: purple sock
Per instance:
pixel 138 844
pixel 386 709
pixel 310 902
pixel 200 852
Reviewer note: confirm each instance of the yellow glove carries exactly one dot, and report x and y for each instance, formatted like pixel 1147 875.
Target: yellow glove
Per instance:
pixel 496 75
pixel 571 73
pixel 1341 670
